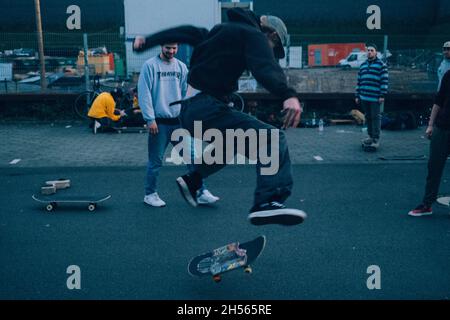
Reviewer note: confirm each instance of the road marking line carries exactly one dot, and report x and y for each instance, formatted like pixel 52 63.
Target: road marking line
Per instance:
pixel 15 161
pixel 318 158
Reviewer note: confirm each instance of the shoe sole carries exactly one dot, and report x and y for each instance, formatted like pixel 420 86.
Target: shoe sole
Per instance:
pixel 286 217
pixel 419 214
pixel 185 192
pixel 151 205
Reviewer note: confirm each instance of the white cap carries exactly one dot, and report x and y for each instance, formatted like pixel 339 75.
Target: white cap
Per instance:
pixel 447 44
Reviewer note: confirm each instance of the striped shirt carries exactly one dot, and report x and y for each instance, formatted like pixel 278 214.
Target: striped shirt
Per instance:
pixel 373 79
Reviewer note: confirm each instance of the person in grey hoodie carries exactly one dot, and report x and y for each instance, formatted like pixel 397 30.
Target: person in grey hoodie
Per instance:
pixel 163 79
pixel 445 65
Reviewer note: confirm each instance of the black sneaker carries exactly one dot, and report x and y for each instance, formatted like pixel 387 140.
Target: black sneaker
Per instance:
pixel 188 188
pixel 275 213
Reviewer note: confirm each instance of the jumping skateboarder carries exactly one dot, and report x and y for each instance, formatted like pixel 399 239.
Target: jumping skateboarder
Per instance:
pixel 219 58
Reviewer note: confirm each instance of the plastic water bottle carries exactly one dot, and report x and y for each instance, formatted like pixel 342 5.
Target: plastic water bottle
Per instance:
pixel 320 125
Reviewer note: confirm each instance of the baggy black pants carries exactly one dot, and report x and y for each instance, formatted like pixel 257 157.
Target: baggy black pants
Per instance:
pixel 439 151
pixel 216 114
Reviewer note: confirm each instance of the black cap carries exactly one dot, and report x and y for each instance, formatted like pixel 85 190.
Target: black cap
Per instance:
pixel 368 45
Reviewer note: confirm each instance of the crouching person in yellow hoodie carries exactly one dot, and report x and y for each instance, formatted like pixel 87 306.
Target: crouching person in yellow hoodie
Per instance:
pixel 103 111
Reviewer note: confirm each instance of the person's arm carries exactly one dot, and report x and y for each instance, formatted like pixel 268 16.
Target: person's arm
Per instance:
pixel 358 87
pixel 264 67
pixel 434 112
pixel 145 84
pixel 183 34
pixel 261 62
pixel 184 84
pixel 384 82
pixel 438 102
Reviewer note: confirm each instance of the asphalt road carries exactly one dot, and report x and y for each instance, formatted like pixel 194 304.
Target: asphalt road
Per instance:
pixel 127 250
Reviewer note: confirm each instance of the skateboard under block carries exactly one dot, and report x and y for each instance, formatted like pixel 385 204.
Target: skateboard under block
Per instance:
pixel 229 257
pixel 51 202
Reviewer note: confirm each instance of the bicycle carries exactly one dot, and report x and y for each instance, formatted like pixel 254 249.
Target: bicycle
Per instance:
pixel 84 100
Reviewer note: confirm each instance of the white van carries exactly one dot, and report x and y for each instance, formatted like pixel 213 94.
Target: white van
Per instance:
pixel 356 59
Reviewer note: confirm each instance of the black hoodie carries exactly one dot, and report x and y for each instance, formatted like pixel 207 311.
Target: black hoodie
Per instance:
pixel 221 55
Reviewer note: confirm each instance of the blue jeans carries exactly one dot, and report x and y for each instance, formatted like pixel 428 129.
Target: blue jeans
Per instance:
pixel 157 145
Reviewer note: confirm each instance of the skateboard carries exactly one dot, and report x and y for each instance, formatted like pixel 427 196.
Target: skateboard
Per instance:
pixel 229 257
pixel 370 148
pixel 51 202
pixel 130 129
pixel 445 201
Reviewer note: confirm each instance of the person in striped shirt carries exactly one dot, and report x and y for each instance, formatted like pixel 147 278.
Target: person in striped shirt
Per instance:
pixel 373 80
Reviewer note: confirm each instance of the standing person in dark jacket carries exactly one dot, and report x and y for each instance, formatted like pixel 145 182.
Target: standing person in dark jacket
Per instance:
pixel 439 131
pixel 219 58
pixel 371 90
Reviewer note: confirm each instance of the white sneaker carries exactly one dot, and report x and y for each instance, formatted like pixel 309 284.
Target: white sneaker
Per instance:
pixel 154 200
pixel 206 197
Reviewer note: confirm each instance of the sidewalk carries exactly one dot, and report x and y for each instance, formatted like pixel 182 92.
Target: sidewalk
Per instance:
pixel 29 145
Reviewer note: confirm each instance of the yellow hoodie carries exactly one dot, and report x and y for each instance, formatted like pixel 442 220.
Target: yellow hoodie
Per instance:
pixel 103 106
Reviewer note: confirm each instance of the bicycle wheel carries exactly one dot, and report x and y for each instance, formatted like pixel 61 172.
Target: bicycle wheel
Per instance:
pixel 83 103
pixel 237 102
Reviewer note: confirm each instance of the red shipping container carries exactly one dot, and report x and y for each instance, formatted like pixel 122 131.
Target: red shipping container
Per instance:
pixel 329 54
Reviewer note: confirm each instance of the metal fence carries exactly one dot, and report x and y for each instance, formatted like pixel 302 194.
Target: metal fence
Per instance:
pixel 110 57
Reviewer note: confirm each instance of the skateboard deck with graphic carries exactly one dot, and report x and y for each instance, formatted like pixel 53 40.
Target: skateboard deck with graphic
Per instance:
pixel 227 258
pixel 51 202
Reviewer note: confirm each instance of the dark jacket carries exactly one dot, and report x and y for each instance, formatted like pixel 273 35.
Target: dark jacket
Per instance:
pixel 443 101
pixel 221 55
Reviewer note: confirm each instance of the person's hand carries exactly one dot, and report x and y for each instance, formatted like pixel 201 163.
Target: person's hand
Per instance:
pixel 153 128
pixel 381 100
pixel 292 112
pixel 138 42
pixel 357 101
pixel 429 132
pixel 122 113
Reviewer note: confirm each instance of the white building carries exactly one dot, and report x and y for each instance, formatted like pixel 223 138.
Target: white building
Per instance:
pixel 143 17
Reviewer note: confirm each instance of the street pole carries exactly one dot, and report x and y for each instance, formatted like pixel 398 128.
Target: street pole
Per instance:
pixel 37 7
pixel 86 63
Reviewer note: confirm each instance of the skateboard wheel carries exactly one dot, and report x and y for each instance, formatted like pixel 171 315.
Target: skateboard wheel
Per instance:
pixel 248 269
pixel 91 207
pixel 217 278
pixel 49 207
